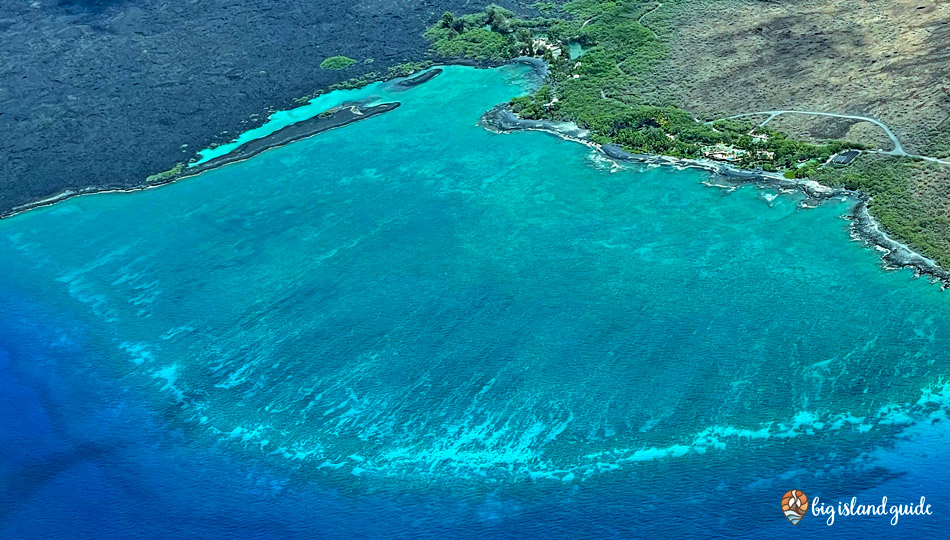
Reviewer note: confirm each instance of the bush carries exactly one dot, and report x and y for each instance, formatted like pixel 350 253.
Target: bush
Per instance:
pixel 165 175
pixel 337 62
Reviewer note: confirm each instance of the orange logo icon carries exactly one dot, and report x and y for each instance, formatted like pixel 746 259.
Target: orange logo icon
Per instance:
pixel 794 505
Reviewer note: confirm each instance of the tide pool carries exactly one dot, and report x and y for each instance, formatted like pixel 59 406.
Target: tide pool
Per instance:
pixel 413 326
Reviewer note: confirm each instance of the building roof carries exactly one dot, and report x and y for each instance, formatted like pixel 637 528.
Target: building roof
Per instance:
pixel 843 158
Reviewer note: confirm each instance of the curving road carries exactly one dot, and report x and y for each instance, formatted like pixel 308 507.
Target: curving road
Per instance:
pixel 640 20
pixel 898 147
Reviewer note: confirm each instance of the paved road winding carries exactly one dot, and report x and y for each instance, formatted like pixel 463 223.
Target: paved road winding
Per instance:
pixel 898 147
pixel 640 20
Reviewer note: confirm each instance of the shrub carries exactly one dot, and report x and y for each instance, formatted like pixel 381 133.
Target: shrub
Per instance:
pixel 337 62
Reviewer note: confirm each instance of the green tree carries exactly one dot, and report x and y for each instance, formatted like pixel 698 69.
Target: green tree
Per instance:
pixel 498 18
pixel 525 41
pixel 337 62
pixel 448 19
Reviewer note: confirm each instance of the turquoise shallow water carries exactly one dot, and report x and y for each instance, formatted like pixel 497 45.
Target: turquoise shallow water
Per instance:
pixel 369 94
pixel 415 301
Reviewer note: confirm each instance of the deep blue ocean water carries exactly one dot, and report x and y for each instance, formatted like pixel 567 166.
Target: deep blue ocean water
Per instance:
pixel 412 327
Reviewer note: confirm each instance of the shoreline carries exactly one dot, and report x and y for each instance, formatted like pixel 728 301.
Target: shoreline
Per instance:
pixel 538 67
pixel 501 119
pixel 416 80
pixel 352 111
pixel 338 117
pixel 864 227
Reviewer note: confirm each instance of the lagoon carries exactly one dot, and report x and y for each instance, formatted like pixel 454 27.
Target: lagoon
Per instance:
pixel 479 333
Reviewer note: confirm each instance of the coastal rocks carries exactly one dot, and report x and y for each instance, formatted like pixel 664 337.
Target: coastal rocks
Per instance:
pixel 502 119
pixel 539 66
pixel 334 118
pixel 864 227
pixel 615 151
pixel 412 82
pixel 98 95
pixel 339 117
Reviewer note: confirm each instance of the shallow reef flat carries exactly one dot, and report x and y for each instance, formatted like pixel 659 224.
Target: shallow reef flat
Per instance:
pixel 456 304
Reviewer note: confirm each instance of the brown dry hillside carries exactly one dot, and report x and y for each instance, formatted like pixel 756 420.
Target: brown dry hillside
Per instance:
pixel 889 59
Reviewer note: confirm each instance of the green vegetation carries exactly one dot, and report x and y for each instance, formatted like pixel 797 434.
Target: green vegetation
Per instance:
pixel 608 89
pixel 939 140
pixel 407 68
pixel 905 199
pixel 492 35
pixel 165 175
pixel 619 90
pixel 337 62
pixel 399 70
pixel 545 8
pixel 671 131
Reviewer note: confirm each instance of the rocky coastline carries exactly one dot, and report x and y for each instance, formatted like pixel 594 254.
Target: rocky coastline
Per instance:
pixel 338 117
pixel 864 227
